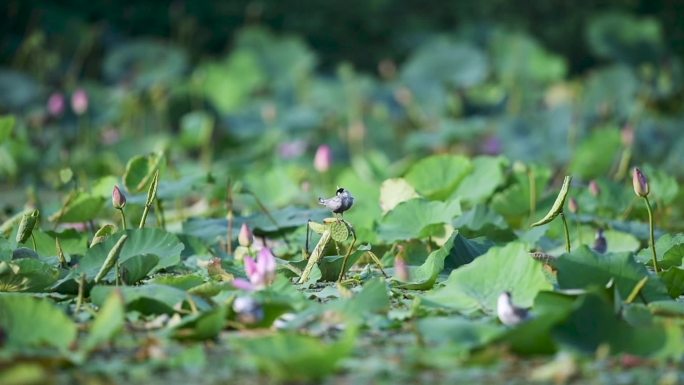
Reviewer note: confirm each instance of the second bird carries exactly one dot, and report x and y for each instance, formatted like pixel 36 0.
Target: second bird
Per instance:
pixel 341 202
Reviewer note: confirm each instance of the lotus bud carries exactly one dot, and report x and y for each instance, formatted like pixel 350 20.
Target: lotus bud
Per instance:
pixel 640 183
pixel 600 242
pixel 400 268
pixel 118 198
pixel 573 206
pixel 245 238
pixel 55 104
pixel 28 222
pixel 323 158
pixel 627 135
pixel 594 188
pixel 79 101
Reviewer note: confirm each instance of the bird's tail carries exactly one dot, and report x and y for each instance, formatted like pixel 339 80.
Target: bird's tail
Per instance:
pixel 321 200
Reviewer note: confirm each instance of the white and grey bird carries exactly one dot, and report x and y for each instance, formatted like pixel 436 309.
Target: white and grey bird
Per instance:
pixel 508 313
pixel 341 202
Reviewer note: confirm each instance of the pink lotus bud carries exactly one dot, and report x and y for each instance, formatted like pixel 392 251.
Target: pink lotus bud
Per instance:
pixel 245 238
pixel 492 146
pixel 292 149
pixel 79 101
pixel 627 135
pixel 323 158
pixel 400 268
pixel 640 183
pixel 573 206
pixel 55 104
pixel 118 198
pixel 594 188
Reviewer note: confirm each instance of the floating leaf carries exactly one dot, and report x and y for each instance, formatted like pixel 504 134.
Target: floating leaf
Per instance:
pixel 669 249
pixel 395 191
pixel 151 241
pixel 27 274
pixel 137 267
pixel 457 334
pixel 108 322
pixel 437 176
pixel 202 326
pixel 584 268
pixel 480 184
pixel 372 298
pixel 147 299
pixel 31 323
pixel 289 356
pixel 139 171
pixel 423 277
pixel 674 281
pixel 79 207
pixel 477 286
pixel 606 328
pixel 417 218
pixel 535 336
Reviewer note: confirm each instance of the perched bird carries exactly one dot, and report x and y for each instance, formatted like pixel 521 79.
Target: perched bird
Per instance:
pixel 508 313
pixel 600 243
pixel 341 202
pixel 248 310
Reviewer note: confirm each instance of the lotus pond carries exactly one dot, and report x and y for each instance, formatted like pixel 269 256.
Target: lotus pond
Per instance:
pixel 160 221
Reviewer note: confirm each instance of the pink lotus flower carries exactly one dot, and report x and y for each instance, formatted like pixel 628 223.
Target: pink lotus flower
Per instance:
pixel 55 104
pixel 79 101
pixel 260 273
pixel 323 158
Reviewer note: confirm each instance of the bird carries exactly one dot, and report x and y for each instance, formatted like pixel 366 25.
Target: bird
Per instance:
pixel 508 313
pixel 600 243
pixel 341 202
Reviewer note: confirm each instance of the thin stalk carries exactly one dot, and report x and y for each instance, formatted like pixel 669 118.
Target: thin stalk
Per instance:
pixel 123 218
pixel 151 196
pixel 33 239
pixel 346 257
pixel 623 166
pixel 533 191
pixel 567 232
pixel 316 255
pixel 159 210
pixel 229 217
pixel 308 232
pixel 143 219
pixel 81 292
pixel 651 234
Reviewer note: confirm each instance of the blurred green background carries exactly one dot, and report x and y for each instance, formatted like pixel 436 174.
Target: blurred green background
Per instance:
pixel 219 86
pixel 361 32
